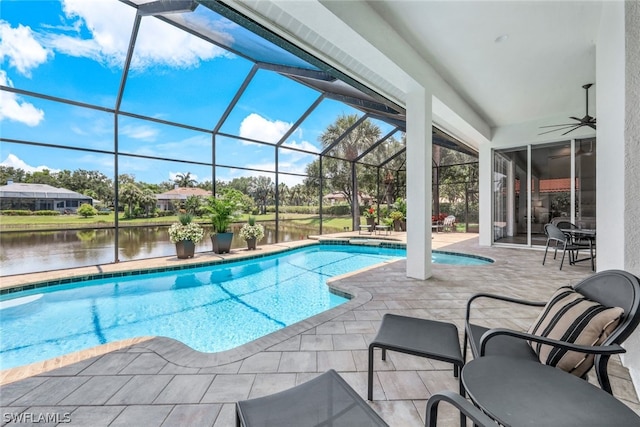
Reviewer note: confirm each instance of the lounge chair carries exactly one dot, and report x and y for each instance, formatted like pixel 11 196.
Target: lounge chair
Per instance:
pixel 553 341
pixel 326 400
pixel 449 223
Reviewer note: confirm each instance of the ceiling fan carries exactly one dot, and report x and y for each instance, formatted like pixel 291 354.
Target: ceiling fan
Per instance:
pixel 587 120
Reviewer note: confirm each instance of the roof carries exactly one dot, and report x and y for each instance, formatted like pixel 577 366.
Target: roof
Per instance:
pixel 38 191
pixel 183 193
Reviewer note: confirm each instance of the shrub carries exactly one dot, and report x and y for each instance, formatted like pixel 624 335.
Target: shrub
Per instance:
pixel 86 210
pixel 46 213
pixel 16 212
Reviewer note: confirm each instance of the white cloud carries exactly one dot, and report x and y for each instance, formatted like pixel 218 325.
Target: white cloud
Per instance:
pixel 257 127
pixel 15 109
pixel 162 44
pixel 21 48
pixel 199 144
pixel 101 30
pixel 109 24
pixel 142 132
pixel 174 175
pixel 303 145
pixel 14 161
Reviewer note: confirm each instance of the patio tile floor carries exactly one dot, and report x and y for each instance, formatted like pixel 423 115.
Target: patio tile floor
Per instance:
pixel 158 382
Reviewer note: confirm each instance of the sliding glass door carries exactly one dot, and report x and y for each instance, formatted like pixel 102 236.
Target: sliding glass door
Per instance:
pixel 534 184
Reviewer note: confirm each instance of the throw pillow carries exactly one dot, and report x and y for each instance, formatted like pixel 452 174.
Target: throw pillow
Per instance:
pixel 570 317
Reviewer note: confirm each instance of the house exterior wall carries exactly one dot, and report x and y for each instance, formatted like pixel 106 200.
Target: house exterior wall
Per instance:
pixel 618 91
pixel 632 169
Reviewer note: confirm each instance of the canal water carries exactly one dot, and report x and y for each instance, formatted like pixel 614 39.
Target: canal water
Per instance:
pixel 33 251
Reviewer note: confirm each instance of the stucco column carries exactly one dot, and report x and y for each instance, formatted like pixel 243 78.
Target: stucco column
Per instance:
pixel 419 155
pixel 632 170
pixel 618 150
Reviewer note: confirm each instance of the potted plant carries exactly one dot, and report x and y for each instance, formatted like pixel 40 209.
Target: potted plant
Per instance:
pixel 370 215
pixel 185 234
pixel 222 212
pixel 398 220
pixel 251 233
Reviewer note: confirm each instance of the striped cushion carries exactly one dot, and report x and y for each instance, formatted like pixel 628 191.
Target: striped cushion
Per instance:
pixel 571 317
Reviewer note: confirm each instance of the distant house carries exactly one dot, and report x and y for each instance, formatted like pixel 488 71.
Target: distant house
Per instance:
pixel 40 197
pixel 338 197
pixel 168 200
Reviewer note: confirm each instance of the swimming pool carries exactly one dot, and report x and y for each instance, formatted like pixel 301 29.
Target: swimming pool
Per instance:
pixel 210 309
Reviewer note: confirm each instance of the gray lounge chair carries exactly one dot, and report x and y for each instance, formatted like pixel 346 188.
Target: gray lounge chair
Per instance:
pixel 326 400
pixel 612 288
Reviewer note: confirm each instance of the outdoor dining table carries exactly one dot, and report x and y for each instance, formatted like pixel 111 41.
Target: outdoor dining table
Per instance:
pixel 579 235
pixel 520 392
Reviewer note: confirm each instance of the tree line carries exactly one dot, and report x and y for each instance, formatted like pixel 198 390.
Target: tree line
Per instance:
pixel 139 199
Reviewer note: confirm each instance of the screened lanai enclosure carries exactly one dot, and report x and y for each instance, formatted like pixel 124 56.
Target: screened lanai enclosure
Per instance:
pixel 149 107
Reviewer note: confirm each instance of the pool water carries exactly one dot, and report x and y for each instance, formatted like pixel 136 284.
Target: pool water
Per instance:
pixel 210 309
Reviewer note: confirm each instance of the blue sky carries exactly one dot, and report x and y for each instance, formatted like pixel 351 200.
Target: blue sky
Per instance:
pixel 75 49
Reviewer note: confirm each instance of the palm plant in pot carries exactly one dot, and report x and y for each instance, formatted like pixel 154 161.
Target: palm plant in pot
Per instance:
pixel 251 233
pixel 222 212
pixel 185 234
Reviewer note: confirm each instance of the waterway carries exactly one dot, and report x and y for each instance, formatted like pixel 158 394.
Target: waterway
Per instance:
pixel 34 251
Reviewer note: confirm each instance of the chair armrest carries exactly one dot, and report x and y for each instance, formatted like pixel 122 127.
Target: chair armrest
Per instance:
pixel 463 405
pixel 609 349
pixel 500 298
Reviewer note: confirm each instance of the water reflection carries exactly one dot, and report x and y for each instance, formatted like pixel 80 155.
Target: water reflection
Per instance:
pixel 28 252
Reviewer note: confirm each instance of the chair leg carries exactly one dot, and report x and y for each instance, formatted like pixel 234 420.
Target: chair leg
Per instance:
pixel 466 338
pixel 370 374
pixel 238 423
pixel 464 406
pixel 543 260
pixel 564 251
pixel 601 362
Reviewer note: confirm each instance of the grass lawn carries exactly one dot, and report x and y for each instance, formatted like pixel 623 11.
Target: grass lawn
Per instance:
pixel 26 223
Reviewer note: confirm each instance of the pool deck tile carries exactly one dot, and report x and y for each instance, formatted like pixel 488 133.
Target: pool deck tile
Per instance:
pixel 155 381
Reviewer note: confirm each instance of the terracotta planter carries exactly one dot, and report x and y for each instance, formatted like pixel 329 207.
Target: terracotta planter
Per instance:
pixel 251 243
pixel 221 242
pixel 185 249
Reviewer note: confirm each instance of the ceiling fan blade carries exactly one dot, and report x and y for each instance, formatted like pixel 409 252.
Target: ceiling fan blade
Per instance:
pixel 575 118
pixel 564 124
pixel 571 130
pixel 555 130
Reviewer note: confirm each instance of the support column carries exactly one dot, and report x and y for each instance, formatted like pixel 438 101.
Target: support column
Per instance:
pixel 419 189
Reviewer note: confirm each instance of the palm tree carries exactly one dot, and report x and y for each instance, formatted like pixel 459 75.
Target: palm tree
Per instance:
pixel 185 180
pixel 349 148
pixel 148 200
pixel 283 195
pixel 130 195
pixel 261 189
